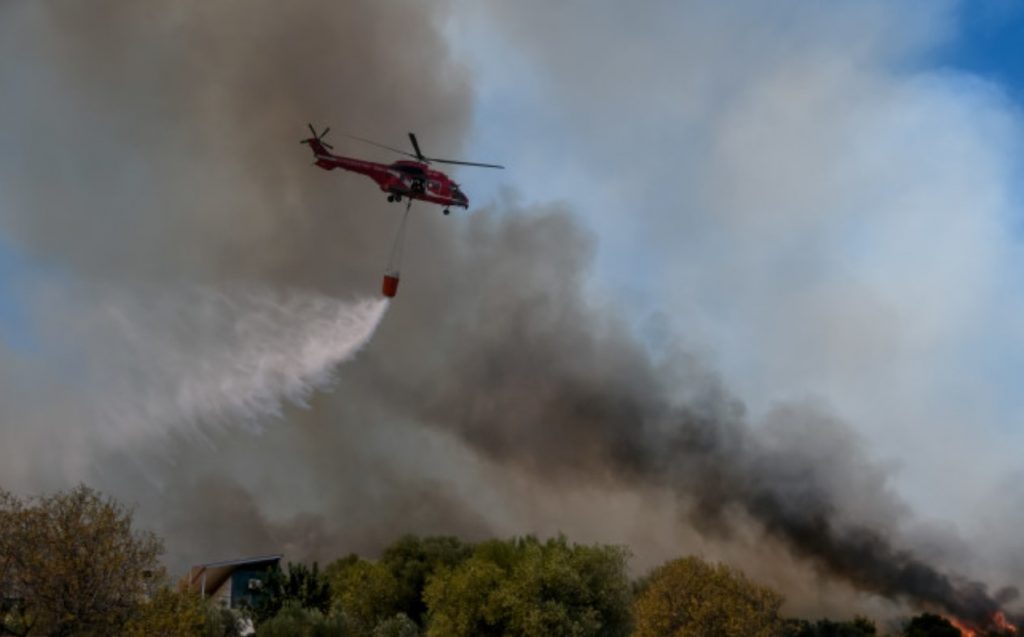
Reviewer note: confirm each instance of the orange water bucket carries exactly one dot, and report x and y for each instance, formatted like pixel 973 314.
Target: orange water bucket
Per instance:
pixel 390 286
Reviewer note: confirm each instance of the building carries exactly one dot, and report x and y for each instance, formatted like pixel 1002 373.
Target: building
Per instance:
pixel 234 583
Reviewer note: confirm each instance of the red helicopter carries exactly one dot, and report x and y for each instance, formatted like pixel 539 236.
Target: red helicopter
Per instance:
pixel 403 178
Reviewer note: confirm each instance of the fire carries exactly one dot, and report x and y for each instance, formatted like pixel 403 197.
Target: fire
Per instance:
pixel 964 630
pixel 998 620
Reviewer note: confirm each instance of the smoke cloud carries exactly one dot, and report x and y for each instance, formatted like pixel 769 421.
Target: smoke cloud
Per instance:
pixel 186 266
pixel 547 385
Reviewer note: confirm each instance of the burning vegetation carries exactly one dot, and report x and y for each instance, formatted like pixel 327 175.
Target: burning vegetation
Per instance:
pixel 997 624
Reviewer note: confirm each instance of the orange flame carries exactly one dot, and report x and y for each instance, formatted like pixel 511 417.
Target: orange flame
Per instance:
pixel 999 620
pixel 964 630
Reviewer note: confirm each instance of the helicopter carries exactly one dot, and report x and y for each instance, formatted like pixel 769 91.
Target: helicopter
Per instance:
pixel 412 179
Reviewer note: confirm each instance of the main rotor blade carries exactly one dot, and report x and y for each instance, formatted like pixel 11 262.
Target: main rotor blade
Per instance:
pixel 463 163
pixel 416 145
pixel 313 130
pixel 323 134
pixel 373 143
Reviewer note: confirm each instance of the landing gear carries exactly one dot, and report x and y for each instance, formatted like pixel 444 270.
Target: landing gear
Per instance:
pixel 394 198
pixel 446 211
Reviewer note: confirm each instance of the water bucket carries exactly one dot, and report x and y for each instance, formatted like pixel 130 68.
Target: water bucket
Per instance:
pixel 390 287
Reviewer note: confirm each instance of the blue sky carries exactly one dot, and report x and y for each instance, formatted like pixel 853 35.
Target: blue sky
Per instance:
pixel 990 43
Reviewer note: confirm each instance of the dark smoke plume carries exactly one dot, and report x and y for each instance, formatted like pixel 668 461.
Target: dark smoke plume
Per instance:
pixel 157 146
pixel 152 151
pixel 540 379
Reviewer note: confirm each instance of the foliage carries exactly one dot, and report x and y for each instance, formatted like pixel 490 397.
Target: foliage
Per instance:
pixel 398 626
pixel 859 627
pixel 527 588
pixel 689 597
pixel 373 594
pixel 301 585
pixel 222 622
pixel 293 620
pixel 412 560
pixel 72 564
pixel 929 625
pixel 171 613
pixel 367 592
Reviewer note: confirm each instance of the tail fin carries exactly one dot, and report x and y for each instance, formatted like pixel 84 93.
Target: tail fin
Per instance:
pixel 316 142
pixel 317 146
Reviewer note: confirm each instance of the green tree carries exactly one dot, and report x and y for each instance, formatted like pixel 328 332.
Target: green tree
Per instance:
pixel 180 613
pixel 398 626
pixel 301 585
pixel 929 625
pixel 367 592
pixel 412 560
pixel 371 593
pixel 689 597
pixel 72 563
pixel 295 621
pixel 528 588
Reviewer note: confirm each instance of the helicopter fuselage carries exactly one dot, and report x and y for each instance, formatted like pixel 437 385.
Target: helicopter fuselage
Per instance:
pixel 403 178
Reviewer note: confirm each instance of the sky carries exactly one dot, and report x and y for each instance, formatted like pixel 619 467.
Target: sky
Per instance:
pixel 987 43
pixel 802 212
pixel 957 58
pixel 873 264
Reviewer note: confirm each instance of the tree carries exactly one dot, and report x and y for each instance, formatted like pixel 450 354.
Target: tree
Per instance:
pixel 301 585
pixel 398 626
pixel 859 627
pixel 689 597
pixel 180 613
pixel 929 625
pixel 412 560
pixel 72 564
pixel 374 592
pixel 367 592
pixel 295 621
pixel 13 619
pixel 528 588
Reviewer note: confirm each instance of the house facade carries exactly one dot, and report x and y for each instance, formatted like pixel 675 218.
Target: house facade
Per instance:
pixel 233 583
